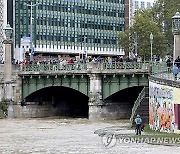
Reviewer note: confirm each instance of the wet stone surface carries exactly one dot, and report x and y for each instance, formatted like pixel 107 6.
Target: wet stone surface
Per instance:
pixel 69 136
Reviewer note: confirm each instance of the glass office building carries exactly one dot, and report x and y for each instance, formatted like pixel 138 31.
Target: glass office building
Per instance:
pixel 71 26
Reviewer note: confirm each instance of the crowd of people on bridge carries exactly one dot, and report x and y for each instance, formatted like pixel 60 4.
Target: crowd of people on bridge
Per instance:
pixel 174 66
pixel 39 59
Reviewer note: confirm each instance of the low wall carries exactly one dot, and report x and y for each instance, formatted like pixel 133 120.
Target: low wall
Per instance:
pixel 30 110
pixel 110 111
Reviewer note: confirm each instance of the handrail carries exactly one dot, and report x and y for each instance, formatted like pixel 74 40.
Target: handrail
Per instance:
pixel 53 67
pixel 159 67
pixel 137 104
pixel 85 66
pixel 153 67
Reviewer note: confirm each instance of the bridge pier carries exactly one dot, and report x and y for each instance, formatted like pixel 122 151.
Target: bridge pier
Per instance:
pixel 95 98
pixel 98 109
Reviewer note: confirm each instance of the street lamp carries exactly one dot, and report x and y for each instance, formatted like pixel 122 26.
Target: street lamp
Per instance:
pixel 176 23
pixel 85 51
pixel 135 42
pixel 8 32
pixel 8 52
pixel 176 32
pixel 151 41
pixel 31 41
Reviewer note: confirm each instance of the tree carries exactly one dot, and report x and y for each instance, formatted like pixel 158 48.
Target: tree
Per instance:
pixel 144 26
pixel 157 20
pixel 162 14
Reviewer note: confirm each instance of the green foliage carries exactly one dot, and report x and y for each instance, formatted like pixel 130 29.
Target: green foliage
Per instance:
pixel 162 14
pixel 157 20
pixel 144 26
pixel 157 133
pixel 124 40
pixel 3 105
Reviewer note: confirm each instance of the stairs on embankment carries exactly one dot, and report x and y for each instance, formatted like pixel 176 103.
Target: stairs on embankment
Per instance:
pixel 143 108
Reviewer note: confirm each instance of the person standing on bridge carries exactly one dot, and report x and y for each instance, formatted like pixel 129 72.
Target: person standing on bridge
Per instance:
pixel 175 71
pixel 138 122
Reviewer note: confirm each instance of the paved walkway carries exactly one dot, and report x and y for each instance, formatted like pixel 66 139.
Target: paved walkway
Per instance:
pixel 68 136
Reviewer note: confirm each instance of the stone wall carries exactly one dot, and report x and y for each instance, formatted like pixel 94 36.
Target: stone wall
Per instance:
pixel 110 111
pixel 31 110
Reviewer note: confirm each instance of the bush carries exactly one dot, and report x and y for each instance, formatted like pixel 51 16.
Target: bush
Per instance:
pixel 3 105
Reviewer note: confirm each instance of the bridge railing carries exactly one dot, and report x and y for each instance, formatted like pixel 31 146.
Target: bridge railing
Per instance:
pixel 84 66
pixel 137 104
pixel 126 65
pixel 159 67
pixel 54 67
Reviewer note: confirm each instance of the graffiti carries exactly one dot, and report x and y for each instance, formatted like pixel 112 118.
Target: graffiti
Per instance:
pixel 161 107
pixel 160 92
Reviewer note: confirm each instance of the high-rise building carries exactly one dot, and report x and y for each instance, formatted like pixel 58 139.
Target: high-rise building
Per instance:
pixel 3 23
pixel 75 27
pixel 139 5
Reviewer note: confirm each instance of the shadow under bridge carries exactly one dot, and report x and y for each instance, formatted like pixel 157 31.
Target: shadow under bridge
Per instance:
pixel 120 104
pixel 58 101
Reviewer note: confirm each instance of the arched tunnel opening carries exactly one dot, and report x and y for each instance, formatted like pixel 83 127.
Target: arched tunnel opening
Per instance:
pixel 121 103
pixel 59 101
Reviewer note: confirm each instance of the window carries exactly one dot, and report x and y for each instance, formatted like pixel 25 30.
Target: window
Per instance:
pixel 136 5
pixel 148 5
pixel 142 5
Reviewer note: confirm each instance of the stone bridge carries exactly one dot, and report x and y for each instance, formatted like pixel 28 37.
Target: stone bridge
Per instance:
pixel 35 90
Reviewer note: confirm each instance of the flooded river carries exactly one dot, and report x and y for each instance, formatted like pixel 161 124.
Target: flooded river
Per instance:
pixel 68 136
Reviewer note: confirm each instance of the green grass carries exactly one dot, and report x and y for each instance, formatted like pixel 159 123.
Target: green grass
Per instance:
pixel 157 133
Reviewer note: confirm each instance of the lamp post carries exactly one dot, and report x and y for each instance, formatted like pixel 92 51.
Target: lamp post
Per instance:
pixel 176 32
pixel 135 42
pixel 31 41
pixel 85 51
pixel 8 32
pixel 8 63
pixel 8 58
pixel 151 41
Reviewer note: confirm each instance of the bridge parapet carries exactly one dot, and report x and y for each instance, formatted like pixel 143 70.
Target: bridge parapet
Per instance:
pixel 86 67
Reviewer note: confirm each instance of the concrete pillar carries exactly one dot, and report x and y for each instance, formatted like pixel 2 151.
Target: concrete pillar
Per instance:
pixel 18 91
pixel 176 45
pixel 8 61
pixel 95 101
pixel 8 89
pixel 8 71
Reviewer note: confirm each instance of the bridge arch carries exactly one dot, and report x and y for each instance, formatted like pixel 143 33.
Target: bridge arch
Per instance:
pixel 31 84
pixel 59 101
pixel 113 84
pixel 120 104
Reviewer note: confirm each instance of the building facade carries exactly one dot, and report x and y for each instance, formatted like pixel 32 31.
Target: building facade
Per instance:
pixel 139 5
pixel 70 26
pixel 3 23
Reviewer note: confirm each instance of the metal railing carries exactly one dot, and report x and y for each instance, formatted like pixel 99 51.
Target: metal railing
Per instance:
pixel 53 67
pixel 126 65
pixel 159 67
pixel 137 104
pixel 85 66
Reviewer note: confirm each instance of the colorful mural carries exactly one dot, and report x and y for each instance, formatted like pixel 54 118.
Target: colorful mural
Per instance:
pixel 161 107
